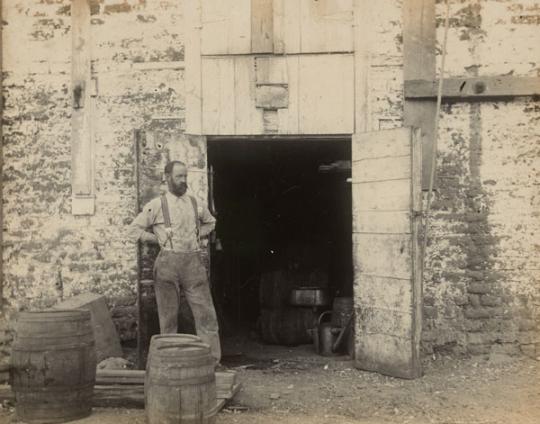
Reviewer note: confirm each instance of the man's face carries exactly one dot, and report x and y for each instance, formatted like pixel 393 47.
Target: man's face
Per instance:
pixel 177 180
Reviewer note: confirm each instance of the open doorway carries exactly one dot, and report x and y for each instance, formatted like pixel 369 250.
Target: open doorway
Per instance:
pixel 283 222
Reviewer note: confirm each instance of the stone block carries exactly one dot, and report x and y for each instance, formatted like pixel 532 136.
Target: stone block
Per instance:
pixel 478 349
pixel 489 300
pixel 529 350
pixel 479 288
pixel 106 337
pixel 474 300
pixel 477 313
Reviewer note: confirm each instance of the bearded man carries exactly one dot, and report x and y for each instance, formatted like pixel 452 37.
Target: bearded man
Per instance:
pixel 175 222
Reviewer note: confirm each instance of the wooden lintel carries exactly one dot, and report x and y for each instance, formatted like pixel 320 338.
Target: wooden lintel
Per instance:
pixel 478 88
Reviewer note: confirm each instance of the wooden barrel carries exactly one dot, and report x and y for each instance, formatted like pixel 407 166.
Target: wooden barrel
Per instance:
pixel 274 289
pixel 53 366
pixel 163 340
pixel 287 326
pixel 342 309
pixel 180 386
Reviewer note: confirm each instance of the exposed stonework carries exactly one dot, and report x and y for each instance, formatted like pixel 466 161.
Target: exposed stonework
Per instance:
pixel 481 291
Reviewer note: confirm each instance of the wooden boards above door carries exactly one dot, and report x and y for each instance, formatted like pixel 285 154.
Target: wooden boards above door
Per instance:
pixel 276 26
pixel 297 94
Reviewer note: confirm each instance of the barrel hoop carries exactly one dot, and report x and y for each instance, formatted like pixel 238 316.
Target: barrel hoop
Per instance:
pixel 179 382
pixel 56 389
pixel 18 348
pixel 90 332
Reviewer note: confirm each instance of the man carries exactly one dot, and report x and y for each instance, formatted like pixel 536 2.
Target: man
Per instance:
pixel 176 223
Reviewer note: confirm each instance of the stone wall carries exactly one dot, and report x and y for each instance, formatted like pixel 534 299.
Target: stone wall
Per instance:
pixel 482 292
pixel 137 53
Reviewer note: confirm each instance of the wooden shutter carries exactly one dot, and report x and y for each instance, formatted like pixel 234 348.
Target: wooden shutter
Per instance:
pixel 387 198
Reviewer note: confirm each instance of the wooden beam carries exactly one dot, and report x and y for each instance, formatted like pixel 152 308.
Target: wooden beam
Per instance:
pixel 478 88
pixel 363 35
pixel 419 38
pixel 82 160
pixel 262 23
pixel 193 80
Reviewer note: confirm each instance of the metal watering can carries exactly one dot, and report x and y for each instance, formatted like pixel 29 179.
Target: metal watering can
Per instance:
pixel 328 339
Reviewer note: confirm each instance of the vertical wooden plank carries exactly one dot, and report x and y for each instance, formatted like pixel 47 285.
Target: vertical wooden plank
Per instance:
pixel 416 230
pixel 262 22
pixel 289 118
pixel 419 38
pixel 192 19
pixel 218 113
pixel 278 26
pixel 362 62
pixel 248 119
pixel 272 70
pixel 226 27
pixel 82 162
pixel 326 26
pixel 292 16
pixel 326 94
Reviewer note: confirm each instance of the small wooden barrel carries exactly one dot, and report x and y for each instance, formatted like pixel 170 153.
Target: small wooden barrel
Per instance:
pixel 287 326
pixel 53 366
pixel 180 384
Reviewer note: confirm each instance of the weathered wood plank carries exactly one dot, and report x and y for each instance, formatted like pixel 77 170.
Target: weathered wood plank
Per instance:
pixel 379 169
pixel 387 222
pixel 272 70
pixel 262 22
pixel 417 254
pixel 278 26
pixel 385 293
pixel 226 27
pixel 385 353
pixel 247 118
pixel 391 195
pixel 479 88
pixel 326 26
pixel 326 103
pixel 419 39
pixel 380 144
pixel 289 118
pixel 384 255
pixel 378 320
pixel 218 88
pixel 193 83
pixel 271 96
pixel 290 25
pixel 82 155
pixel 363 34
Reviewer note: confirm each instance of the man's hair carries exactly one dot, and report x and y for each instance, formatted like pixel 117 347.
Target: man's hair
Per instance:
pixel 169 167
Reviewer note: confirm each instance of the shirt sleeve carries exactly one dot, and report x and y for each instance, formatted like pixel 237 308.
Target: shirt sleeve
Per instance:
pixel 207 220
pixel 142 222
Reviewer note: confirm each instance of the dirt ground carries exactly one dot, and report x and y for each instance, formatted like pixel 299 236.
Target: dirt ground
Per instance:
pixel 293 385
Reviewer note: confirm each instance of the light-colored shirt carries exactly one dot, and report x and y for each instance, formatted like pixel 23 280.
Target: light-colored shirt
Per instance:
pixel 183 232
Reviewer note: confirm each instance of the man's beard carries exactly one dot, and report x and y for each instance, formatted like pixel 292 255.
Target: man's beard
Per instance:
pixel 179 189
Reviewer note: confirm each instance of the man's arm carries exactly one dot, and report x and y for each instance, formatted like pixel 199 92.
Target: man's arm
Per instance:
pixel 138 229
pixel 208 222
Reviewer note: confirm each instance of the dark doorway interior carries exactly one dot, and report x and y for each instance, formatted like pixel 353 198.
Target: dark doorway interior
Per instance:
pixel 283 208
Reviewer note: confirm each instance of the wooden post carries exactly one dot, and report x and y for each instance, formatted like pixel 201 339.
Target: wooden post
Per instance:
pixel 193 80
pixel 419 64
pixel 82 160
pixel 362 63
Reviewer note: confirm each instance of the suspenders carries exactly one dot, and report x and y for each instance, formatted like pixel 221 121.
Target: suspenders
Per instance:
pixel 167 217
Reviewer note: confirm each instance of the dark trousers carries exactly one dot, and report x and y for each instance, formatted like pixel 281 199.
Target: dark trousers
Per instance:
pixel 175 271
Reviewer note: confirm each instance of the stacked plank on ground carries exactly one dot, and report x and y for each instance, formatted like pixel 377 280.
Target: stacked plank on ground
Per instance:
pixel 125 388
